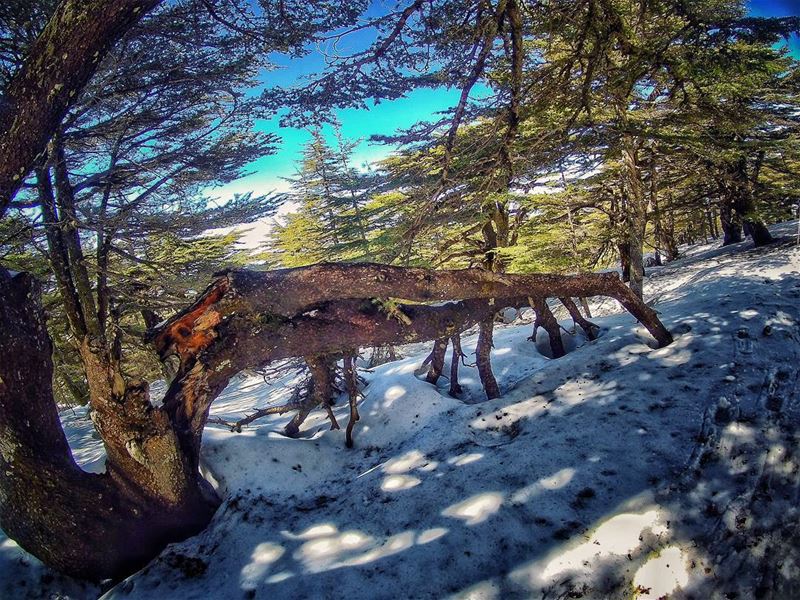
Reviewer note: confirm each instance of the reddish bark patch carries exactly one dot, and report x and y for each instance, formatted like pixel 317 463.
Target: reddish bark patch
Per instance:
pixel 193 330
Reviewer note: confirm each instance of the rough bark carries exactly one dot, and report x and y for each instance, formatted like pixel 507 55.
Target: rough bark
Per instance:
pixel 458 355
pixel 624 249
pixel 322 376
pixel 60 63
pixel 731 223
pixel 101 526
pixel 237 323
pixel 546 320
pixel 483 358
pixel 437 361
pixel 585 306
pixel 290 292
pixel 589 328
pixel 153 492
pixel 57 252
pixel 633 192
pixel 745 205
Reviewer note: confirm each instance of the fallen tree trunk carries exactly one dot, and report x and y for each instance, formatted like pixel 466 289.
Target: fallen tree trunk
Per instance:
pixel 276 295
pixel 246 319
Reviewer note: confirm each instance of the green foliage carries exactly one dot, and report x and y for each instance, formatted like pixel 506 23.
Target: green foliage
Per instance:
pixel 331 221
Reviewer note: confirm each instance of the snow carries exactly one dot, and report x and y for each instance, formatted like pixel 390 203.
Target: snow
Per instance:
pixel 617 471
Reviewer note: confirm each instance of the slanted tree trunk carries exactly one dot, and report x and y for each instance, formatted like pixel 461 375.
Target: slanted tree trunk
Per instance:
pixel 458 354
pixel 483 358
pixel 546 320
pixel 86 525
pixel 437 361
pixel 60 63
pixel 589 328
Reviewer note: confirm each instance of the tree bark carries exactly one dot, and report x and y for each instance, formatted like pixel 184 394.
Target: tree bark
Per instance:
pixel 152 492
pixel 731 223
pixel 745 203
pixel 455 388
pixel 289 292
pixel 585 306
pixel 60 63
pixel 635 216
pixel 589 328
pixel 437 362
pixel 57 252
pixel 101 526
pixel 545 319
pixel 351 382
pixel 624 249
pixel 483 358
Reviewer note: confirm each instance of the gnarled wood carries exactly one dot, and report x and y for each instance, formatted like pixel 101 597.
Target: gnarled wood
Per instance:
pixel 589 328
pixel 48 504
pixel 246 319
pixel 483 360
pixel 437 361
pixel 546 320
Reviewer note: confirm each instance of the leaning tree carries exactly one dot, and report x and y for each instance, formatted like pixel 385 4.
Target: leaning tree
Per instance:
pixel 152 491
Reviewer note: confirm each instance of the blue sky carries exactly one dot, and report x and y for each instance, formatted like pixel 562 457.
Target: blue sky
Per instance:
pixel 267 172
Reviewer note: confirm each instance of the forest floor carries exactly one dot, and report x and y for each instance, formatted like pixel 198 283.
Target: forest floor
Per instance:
pixel 618 471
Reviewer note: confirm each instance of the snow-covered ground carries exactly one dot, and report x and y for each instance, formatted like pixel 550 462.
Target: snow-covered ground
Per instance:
pixel 617 471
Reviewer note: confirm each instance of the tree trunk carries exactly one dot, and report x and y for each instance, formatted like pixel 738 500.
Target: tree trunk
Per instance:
pixel 437 362
pixel 545 319
pixel 585 307
pixel 739 197
pixel 60 63
pixel 633 193
pixel 455 387
pixel 589 328
pixel 712 222
pixel 760 233
pixel 731 223
pixel 624 249
pixel 483 358
pixel 101 526
pixel 655 208
pixel 57 257
pixel 351 382
pixel 746 202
